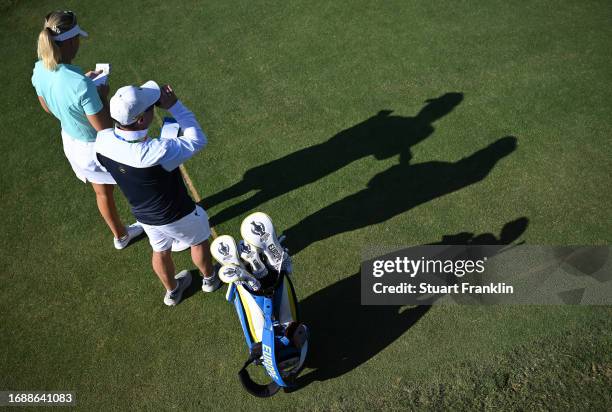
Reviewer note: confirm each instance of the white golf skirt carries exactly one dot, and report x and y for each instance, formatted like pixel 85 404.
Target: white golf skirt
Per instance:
pixel 82 158
pixel 192 229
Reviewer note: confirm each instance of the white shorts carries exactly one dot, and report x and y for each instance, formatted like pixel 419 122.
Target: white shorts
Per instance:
pixel 82 158
pixel 192 229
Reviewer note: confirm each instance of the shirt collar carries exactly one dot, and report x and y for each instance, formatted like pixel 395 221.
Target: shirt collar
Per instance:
pixel 131 136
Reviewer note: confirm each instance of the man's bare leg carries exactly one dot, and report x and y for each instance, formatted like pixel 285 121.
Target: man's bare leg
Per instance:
pixel 200 254
pixel 164 268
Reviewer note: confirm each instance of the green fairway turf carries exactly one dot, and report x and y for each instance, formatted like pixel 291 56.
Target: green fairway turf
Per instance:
pixel 321 114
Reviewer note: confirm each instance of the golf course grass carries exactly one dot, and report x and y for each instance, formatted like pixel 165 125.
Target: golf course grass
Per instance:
pixel 347 123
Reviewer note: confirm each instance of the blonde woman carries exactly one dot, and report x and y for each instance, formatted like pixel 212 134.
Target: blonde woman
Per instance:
pixel 82 109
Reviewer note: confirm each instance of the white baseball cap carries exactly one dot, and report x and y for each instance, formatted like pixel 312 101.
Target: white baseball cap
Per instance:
pixel 131 101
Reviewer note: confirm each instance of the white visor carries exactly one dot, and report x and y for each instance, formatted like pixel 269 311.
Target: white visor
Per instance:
pixel 73 32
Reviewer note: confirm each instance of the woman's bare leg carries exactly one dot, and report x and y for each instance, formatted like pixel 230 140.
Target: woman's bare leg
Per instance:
pixel 107 208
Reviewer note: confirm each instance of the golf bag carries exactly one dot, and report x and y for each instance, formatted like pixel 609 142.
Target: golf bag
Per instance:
pixel 257 271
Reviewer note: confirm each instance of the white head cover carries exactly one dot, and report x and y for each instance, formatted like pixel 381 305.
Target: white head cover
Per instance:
pixel 131 101
pixel 231 274
pixel 250 254
pixel 224 250
pixel 257 229
pixel 73 32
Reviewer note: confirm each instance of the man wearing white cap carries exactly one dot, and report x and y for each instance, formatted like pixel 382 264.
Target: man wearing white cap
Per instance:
pixel 147 172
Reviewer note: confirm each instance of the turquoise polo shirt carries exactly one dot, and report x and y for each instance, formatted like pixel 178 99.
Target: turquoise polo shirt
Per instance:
pixel 70 96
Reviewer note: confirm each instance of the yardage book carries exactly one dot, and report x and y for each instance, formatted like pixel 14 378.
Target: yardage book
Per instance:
pixel 102 78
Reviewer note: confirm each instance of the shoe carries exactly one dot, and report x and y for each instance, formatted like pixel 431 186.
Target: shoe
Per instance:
pixel 183 281
pixel 178 246
pixel 133 231
pixel 211 283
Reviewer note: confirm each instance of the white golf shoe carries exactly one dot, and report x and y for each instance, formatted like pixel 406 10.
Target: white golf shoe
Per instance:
pixel 133 231
pixel 211 283
pixel 183 280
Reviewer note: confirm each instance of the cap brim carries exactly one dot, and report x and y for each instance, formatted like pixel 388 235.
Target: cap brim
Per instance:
pixel 151 92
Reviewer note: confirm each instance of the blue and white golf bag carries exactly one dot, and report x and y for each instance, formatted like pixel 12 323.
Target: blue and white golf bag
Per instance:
pixel 257 271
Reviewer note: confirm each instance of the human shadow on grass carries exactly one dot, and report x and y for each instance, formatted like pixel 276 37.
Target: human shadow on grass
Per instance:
pixel 344 334
pixel 395 191
pixel 382 136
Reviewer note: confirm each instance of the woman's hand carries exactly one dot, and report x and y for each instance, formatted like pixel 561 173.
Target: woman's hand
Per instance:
pixel 93 74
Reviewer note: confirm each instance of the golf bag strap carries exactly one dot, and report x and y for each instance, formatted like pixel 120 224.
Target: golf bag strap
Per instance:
pixel 268 344
pixel 252 387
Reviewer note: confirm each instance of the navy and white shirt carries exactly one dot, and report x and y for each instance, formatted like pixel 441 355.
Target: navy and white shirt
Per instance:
pixel 147 171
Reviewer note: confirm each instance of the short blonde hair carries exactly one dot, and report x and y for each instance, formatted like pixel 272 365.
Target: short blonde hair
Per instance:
pixel 55 23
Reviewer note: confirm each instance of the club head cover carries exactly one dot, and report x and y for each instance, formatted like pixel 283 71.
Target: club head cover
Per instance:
pixel 224 251
pixel 287 265
pixel 250 254
pixel 236 274
pixel 257 230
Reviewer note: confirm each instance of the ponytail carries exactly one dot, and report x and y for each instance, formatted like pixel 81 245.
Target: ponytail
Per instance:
pixel 48 51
